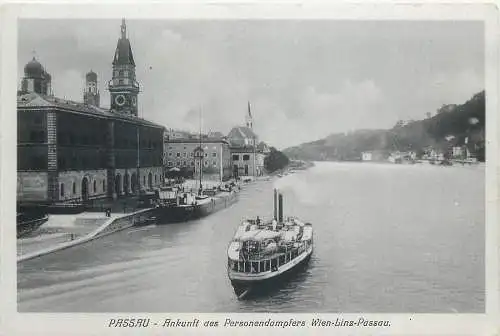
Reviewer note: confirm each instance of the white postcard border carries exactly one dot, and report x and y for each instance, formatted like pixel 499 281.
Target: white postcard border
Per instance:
pixel 13 323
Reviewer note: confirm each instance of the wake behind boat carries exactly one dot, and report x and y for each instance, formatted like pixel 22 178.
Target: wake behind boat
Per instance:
pixel 264 253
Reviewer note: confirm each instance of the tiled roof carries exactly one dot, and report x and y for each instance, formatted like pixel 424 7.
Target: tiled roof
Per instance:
pixel 123 53
pixel 242 132
pixel 262 146
pixel 34 100
pixel 216 134
pixel 197 140
pixel 244 149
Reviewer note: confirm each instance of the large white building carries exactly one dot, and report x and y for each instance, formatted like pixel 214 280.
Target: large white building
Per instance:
pixel 180 155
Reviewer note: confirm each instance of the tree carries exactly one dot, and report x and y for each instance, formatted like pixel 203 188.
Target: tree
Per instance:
pixel 275 160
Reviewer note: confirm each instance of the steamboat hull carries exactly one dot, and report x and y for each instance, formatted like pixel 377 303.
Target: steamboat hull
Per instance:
pixel 183 213
pixel 251 287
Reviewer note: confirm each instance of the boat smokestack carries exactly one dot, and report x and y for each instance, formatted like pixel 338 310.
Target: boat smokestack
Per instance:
pixel 275 201
pixel 280 208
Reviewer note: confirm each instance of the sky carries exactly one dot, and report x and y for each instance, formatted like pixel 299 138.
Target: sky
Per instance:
pixel 304 79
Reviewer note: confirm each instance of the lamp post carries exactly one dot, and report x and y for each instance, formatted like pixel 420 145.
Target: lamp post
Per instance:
pixel 254 153
pixel 138 169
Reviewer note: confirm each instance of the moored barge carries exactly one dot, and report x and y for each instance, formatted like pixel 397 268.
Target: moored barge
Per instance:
pixel 174 205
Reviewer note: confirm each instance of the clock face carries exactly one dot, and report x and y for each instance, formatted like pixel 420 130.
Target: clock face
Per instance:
pixel 120 100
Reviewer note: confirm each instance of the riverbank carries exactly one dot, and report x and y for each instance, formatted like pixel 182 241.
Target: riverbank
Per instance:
pixel 64 231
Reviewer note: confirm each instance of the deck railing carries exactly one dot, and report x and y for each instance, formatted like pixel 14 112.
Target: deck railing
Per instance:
pixel 256 266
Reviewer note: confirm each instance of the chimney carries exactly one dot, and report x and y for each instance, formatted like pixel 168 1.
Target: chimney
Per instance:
pixel 275 201
pixel 280 208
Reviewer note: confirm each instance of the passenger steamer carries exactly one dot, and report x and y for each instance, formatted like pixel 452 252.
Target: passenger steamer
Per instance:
pixel 263 253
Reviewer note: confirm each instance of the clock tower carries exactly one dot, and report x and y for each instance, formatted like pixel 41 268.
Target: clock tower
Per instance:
pixel 123 87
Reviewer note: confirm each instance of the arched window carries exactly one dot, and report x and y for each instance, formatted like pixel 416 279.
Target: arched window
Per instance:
pixel 74 188
pixel 156 176
pixel 62 189
pixel 95 186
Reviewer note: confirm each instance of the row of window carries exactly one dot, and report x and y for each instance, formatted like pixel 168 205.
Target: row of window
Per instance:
pixel 35 162
pixel 185 148
pixel 38 120
pixel 190 163
pixel 132 143
pixel 121 73
pixel 191 154
pixel 103 186
pixel 70 138
pixel 64 162
pixel 34 159
pixel 73 188
pixel 236 157
pixel 38 136
pixel 32 120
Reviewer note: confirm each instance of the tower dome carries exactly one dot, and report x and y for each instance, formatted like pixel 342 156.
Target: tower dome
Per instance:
pixel 33 69
pixel 91 76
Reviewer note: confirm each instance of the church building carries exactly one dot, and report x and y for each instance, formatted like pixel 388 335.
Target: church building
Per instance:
pixel 247 155
pixel 72 152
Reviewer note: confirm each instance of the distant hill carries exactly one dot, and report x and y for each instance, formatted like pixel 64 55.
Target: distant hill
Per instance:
pixel 453 125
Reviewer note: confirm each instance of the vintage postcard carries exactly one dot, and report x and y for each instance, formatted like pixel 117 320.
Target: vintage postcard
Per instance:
pixel 237 168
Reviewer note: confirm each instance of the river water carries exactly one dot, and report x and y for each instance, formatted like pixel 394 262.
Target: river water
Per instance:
pixel 388 238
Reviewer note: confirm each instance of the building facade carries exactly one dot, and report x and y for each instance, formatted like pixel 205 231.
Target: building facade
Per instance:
pixel 74 152
pixel 216 160
pixel 246 161
pixel 247 154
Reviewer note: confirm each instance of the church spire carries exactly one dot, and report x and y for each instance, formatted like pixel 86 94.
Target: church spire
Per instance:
pixel 249 119
pixel 123 53
pixel 124 29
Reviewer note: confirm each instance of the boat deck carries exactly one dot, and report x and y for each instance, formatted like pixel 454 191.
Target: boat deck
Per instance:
pixel 269 241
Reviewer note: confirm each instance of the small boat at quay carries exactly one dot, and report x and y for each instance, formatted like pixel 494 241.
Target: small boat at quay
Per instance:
pixel 30 219
pixel 263 254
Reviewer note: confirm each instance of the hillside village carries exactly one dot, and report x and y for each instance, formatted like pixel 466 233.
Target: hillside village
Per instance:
pixel 455 132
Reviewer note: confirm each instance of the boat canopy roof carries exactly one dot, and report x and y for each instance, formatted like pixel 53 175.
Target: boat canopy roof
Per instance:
pixel 260 235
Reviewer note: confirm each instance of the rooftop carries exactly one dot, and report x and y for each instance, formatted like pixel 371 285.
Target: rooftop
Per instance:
pixel 242 132
pixel 32 100
pixel 195 139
